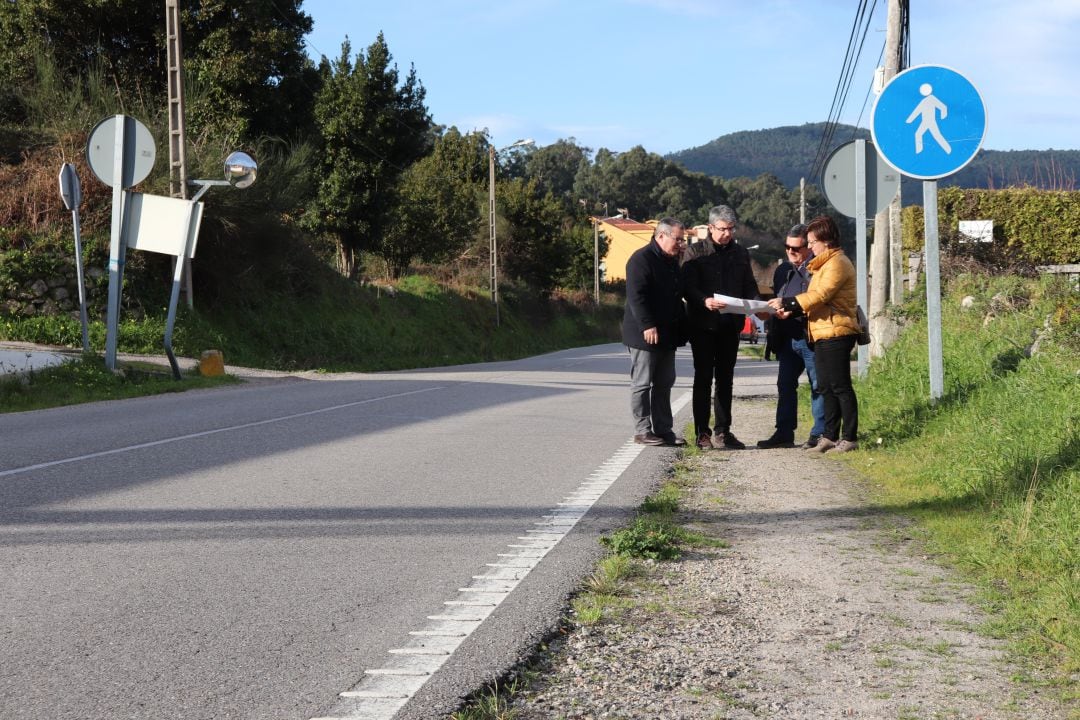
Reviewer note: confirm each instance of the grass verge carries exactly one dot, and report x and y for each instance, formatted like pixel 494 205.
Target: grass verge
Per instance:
pixel 992 470
pixel 418 323
pixel 87 379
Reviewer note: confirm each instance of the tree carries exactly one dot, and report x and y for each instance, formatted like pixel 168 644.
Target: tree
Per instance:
pixel 372 130
pixel 437 209
pixel 125 36
pixel 247 72
pixel 767 205
pixel 533 248
pixel 247 58
pixel 554 166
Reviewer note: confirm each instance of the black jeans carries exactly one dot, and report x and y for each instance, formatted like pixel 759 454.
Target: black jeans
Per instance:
pixel 714 358
pixel 833 360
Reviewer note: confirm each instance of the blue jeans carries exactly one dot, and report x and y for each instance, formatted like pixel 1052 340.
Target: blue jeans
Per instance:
pixel 794 357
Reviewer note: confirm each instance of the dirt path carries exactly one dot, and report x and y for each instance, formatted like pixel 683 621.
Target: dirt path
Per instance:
pixel 820 608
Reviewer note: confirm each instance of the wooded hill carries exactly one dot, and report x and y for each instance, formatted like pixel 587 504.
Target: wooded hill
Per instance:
pixel 788 153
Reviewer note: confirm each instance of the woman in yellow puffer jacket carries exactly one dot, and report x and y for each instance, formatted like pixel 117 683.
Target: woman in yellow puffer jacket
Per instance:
pixel 832 326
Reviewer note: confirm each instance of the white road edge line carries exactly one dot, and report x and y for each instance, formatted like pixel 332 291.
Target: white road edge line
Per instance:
pixel 383 691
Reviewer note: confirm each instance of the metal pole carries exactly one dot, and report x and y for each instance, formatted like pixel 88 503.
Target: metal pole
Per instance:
pixel 493 246
pixel 115 243
pixel 860 240
pixel 933 289
pixel 82 283
pixel 596 260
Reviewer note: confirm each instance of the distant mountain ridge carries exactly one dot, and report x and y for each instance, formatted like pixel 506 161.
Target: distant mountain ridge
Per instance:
pixel 788 153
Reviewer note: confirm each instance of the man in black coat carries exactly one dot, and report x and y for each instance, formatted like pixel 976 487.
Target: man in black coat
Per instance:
pixel 653 326
pixel 714 336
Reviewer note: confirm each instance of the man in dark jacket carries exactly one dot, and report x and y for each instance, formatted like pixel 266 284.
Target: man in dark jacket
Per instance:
pixel 714 336
pixel 653 325
pixel 788 340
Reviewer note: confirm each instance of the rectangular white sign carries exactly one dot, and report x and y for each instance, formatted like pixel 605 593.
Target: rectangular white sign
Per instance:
pixel 977 230
pixel 157 224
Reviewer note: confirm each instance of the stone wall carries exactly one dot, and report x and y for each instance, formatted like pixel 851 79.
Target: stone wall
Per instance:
pixel 55 294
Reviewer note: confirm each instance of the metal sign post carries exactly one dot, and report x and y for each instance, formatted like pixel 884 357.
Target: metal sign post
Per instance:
pixel 929 122
pixel 71 194
pixel 121 152
pixel 860 242
pixel 857 184
pixel 933 289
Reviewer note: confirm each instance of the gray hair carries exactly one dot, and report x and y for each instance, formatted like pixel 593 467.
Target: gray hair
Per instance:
pixel 798 230
pixel 722 213
pixel 666 225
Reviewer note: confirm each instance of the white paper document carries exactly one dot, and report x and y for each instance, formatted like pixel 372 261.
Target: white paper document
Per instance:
pixel 739 306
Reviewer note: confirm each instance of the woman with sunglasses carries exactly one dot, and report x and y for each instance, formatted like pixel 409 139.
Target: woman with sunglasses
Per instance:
pixel 832 326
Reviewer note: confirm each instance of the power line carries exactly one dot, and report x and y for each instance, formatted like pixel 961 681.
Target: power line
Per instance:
pixel 843 86
pixel 825 138
pixel 866 99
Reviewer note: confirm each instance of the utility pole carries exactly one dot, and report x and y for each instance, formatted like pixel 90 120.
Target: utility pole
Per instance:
pixel 802 200
pixel 493 247
pixel 894 52
pixel 177 131
pixel 884 267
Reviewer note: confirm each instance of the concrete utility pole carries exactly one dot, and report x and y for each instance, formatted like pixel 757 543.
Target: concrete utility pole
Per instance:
pixel 893 54
pixel 177 131
pixel 885 252
pixel 802 200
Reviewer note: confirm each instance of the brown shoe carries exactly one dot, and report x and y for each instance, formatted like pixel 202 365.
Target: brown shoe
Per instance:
pixel 727 441
pixel 648 439
pixel 844 446
pixel 704 441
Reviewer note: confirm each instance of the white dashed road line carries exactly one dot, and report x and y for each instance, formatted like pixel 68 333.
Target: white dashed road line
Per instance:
pixel 385 690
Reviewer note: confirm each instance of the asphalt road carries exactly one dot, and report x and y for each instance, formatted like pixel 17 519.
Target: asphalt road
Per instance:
pixel 249 552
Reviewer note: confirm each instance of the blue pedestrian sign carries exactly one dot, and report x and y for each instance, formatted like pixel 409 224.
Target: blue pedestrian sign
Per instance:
pixel 928 122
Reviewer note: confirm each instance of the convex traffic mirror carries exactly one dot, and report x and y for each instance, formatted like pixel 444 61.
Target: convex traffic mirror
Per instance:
pixel 240 169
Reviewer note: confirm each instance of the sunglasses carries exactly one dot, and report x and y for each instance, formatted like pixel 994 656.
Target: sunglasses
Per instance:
pixel 793 248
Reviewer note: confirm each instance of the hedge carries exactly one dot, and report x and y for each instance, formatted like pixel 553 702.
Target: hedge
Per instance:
pixel 1041 227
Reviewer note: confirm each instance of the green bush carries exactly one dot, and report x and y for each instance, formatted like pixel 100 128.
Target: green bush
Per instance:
pixel 647 537
pixel 1037 227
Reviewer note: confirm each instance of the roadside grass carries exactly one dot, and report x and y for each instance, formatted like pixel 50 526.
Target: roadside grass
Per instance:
pixel 347 327
pixel 86 379
pixel 992 471
pixel 756 352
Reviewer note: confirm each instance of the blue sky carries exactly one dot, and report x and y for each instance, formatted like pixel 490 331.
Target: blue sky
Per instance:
pixel 674 74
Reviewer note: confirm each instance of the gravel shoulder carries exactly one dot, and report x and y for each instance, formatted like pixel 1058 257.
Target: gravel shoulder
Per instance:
pixel 822 606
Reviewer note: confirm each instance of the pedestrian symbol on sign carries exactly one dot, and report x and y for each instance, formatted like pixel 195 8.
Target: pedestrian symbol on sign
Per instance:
pixel 928 122
pixel 928 110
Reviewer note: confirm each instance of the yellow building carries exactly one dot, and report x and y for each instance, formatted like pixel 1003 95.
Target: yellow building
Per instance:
pixel 623 238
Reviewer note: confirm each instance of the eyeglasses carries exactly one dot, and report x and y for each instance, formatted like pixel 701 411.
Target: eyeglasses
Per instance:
pixel 794 248
pixel 723 228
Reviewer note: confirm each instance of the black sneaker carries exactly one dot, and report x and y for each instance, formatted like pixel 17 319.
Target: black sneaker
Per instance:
pixel 778 440
pixel 811 442
pixel 728 441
